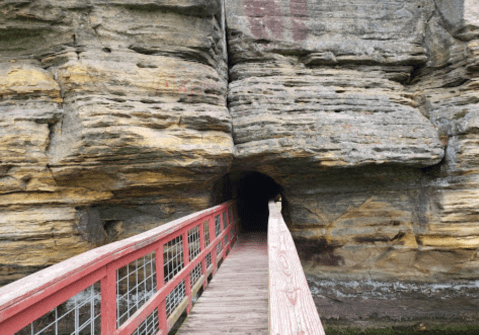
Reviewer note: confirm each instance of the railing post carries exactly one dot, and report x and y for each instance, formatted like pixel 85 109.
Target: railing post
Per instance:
pixel 108 301
pixel 204 270
pixel 230 227
pixel 213 252
pixel 186 261
pixel 160 282
pixel 294 312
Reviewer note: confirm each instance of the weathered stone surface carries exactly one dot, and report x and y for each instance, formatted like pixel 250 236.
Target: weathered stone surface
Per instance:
pixel 112 113
pixel 32 238
pixel 366 114
pixel 448 86
pixel 460 17
pixel 398 305
pixel 116 116
pixel 315 82
pixel 328 114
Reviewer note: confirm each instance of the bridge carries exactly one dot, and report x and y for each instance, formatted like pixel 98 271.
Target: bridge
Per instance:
pixel 202 266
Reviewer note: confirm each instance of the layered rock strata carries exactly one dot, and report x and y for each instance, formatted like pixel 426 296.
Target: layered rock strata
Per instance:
pixel 117 116
pixel 365 113
pixel 113 120
pixel 321 103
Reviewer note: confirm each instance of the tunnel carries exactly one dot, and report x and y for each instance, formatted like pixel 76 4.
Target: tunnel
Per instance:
pixel 252 190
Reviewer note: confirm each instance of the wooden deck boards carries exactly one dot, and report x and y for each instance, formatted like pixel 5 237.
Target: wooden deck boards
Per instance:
pixel 236 300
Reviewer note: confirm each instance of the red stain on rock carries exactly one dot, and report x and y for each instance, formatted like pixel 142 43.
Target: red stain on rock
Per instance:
pixel 264 16
pixel 299 15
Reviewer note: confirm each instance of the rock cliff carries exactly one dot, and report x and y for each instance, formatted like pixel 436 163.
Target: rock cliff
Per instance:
pixel 113 119
pixel 119 115
pixel 360 111
pixel 365 113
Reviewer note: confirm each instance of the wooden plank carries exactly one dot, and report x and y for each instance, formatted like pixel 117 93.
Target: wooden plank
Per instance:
pixel 236 301
pixel 198 285
pixel 177 313
pixel 292 309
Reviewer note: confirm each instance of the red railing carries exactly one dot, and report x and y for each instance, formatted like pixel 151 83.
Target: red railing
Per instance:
pixel 291 307
pixel 138 285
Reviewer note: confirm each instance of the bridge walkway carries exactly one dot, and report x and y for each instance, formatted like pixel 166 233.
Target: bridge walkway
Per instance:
pixel 236 301
pixel 141 285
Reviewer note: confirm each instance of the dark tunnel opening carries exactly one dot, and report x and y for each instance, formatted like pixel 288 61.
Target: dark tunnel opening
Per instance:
pixel 252 191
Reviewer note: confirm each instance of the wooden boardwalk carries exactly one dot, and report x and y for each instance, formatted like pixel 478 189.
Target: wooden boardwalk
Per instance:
pixel 236 301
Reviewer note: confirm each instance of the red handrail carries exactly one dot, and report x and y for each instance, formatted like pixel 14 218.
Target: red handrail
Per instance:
pixel 29 298
pixel 291 307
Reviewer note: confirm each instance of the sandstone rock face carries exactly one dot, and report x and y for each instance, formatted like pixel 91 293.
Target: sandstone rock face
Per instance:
pixel 449 97
pixel 119 115
pixel 113 119
pixel 327 87
pixel 314 81
pixel 365 113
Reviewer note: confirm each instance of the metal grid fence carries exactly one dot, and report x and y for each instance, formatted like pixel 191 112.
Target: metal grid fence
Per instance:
pixel 175 297
pixel 217 226
pixel 225 221
pixel 80 314
pixel 150 326
pixel 208 260
pixel 173 257
pixel 136 283
pixel 194 247
pixel 206 228
pixel 195 274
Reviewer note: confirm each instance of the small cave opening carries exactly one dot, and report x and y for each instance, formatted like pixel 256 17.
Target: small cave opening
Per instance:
pixel 252 191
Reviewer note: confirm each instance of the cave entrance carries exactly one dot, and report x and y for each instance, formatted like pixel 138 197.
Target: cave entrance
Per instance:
pixel 252 191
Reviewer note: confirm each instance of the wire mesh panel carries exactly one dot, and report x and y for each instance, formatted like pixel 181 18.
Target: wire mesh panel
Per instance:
pixel 217 225
pixel 173 257
pixel 225 221
pixel 150 326
pixel 80 314
pixel 194 247
pixel 226 239
pixel 195 274
pixel 219 247
pixel 174 298
pixel 206 229
pixel 136 283
pixel 208 260
pixel 230 214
